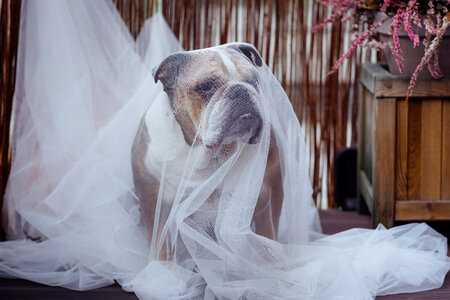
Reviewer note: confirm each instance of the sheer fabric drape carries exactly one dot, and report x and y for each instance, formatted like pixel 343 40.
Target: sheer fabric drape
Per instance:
pixel 73 217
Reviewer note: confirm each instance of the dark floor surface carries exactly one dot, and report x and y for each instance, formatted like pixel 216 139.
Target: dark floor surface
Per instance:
pixel 333 221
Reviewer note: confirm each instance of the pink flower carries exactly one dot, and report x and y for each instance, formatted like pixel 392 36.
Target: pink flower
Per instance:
pixel 408 16
pixel 349 17
pixel 336 14
pixel 433 65
pixel 429 53
pixel 385 5
pixel 405 13
pixel 395 43
pixel 391 3
pixel 355 44
pixel 429 25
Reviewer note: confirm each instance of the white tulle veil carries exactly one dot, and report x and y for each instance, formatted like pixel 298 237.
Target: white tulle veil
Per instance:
pixel 73 215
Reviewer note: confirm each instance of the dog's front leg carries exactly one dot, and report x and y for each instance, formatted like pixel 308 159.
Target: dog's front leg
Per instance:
pixel 146 187
pixel 268 209
pixel 267 212
pixel 148 198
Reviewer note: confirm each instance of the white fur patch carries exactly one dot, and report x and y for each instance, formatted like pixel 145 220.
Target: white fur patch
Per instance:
pixel 167 145
pixel 213 122
pixel 227 62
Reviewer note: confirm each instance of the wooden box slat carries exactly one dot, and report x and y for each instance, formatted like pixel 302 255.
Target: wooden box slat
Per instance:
pixel 384 160
pixel 445 184
pixel 368 136
pixel 414 149
pixel 413 210
pixel 424 89
pixel 430 151
pixel 383 84
pixel 401 153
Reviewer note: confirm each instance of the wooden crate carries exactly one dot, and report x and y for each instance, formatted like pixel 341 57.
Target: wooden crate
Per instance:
pixel 403 148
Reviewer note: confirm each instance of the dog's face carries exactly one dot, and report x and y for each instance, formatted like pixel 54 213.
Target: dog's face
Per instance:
pixel 216 93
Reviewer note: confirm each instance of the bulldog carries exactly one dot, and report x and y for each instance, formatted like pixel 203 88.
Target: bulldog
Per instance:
pixel 209 105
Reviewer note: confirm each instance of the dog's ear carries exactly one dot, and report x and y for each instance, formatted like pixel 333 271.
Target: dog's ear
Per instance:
pixel 169 69
pixel 250 52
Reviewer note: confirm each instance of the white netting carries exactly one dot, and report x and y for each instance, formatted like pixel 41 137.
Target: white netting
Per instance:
pixel 192 187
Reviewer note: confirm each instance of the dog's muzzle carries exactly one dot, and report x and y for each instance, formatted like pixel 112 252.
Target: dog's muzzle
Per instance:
pixel 240 118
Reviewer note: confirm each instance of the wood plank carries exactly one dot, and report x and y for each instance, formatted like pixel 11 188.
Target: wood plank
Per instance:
pixel 377 79
pixel 369 134
pixel 419 210
pixel 445 182
pixel 414 141
pixel 366 190
pixel 370 73
pixel 384 162
pixel 423 89
pixel 360 207
pixel 401 153
pixel 430 152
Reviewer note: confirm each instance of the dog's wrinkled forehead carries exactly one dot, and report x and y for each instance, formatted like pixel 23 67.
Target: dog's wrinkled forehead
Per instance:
pixel 234 59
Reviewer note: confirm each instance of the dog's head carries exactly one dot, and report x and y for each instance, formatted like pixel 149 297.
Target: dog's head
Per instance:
pixel 215 92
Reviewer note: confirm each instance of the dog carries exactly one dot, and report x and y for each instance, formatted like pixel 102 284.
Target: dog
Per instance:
pixel 209 105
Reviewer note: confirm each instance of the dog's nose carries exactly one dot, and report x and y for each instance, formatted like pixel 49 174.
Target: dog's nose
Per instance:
pixel 245 116
pixel 239 93
pixel 247 120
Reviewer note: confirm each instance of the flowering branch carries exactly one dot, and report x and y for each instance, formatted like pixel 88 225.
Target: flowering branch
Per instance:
pixel 429 53
pixel 408 16
pixel 356 43
pixel 395 43
pixel 337 13
pixel 405 14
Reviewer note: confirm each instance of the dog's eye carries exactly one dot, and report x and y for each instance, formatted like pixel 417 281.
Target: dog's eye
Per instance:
pixel 207 88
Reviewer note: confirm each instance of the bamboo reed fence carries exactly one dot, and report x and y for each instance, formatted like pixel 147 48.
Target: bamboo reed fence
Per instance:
pixel 281 30
pixel 9 33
